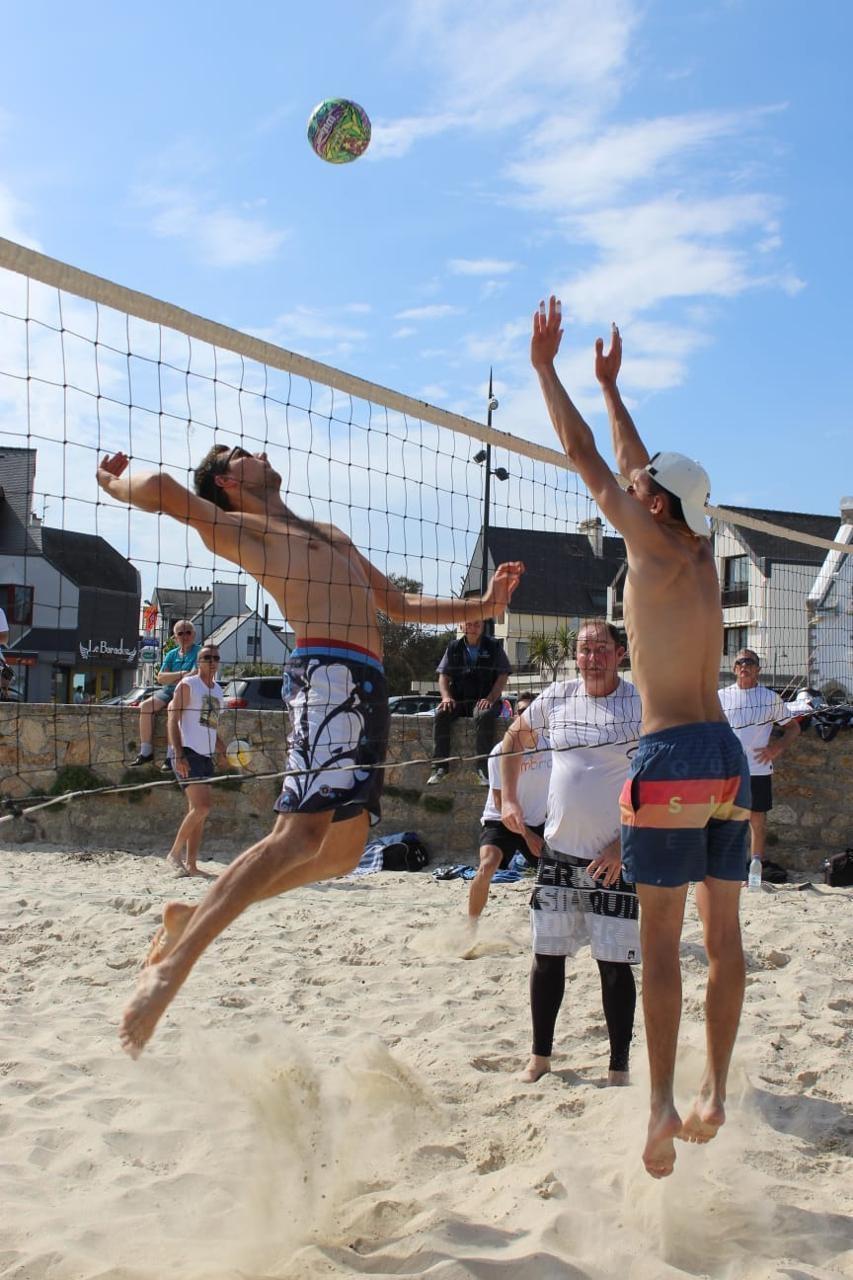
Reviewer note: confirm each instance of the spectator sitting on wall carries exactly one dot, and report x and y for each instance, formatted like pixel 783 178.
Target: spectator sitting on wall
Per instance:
pixel 178 662
pixel 471 678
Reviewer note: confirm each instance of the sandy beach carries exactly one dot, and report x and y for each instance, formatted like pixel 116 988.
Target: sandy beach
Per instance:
pixel 335 1093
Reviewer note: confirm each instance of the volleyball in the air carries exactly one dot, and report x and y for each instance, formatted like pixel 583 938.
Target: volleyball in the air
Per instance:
pixel 339 130
pixel 239 753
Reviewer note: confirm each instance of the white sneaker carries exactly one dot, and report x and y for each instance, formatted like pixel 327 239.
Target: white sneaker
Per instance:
pixel 483 778
pixel 438 775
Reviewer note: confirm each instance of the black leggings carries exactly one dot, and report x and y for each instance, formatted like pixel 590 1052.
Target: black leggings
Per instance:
pixel 618 996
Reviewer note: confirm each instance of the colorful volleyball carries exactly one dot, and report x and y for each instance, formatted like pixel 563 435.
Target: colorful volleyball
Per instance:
pixel 339 130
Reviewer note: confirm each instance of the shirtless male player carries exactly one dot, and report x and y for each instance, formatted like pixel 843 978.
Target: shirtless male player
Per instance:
pixel 685 804
pixel 334 685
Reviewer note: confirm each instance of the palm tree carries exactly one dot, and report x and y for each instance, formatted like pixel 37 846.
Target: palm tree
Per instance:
pixel 566 639
pixel 542 651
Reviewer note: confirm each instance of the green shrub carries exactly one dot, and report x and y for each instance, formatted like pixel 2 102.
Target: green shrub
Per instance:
pixel 437 804
pixel 76 777
pixel 409 795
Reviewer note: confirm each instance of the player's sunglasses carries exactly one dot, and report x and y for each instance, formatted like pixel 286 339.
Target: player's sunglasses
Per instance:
pixel 746 662
pixel 209 657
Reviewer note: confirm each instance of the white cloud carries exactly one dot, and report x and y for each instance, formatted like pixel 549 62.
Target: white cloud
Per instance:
pixel 306 328
pixel 405 331
pixel 220 236
pixel 432 311
pixel 480 267
pixel 594 167
pixel 494 62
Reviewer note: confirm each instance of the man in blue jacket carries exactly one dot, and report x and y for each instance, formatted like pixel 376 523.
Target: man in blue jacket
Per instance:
pixel 471 678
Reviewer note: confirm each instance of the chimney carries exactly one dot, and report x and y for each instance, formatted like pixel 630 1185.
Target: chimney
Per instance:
pixel 847 510
pixel 594 530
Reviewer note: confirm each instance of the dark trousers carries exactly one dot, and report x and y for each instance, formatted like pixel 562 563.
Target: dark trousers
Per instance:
pixel 485 723
pixel 618 997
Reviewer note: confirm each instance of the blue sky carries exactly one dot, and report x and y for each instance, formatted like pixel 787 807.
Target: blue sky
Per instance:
pixel 678 167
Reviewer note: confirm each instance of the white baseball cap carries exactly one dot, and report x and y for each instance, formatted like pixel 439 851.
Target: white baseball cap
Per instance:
pixel 686 480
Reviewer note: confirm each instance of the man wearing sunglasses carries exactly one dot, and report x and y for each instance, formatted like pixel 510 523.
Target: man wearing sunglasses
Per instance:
pixel 754 711
pixel 194 738
pixel 180 661
pixel 334 685
pixel 686 801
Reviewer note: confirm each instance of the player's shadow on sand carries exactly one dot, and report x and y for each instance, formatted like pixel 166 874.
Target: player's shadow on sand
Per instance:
pixel 820 1124
pixel 812 1238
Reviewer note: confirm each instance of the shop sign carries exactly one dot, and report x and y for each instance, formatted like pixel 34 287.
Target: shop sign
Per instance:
pixel 96 649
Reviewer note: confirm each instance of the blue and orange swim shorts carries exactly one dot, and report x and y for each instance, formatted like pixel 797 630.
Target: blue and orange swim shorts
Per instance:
pixel 685 807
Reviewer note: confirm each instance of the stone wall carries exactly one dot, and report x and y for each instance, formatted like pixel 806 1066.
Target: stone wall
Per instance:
pixel 812 815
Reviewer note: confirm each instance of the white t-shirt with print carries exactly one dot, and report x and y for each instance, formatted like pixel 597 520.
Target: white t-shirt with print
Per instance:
pixel 533 783
pixel 200 716
pixel 591 739
pixel 752 714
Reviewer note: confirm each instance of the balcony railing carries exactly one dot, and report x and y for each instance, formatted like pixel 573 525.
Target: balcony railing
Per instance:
pixel 734 595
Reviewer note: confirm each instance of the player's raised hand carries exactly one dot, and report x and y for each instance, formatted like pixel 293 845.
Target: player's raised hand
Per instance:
pixel 607 366
pixel 504 581
pixel 110 468
pixel 547 333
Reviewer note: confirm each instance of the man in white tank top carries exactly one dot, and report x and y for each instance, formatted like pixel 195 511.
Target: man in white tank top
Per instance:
pixel 194 738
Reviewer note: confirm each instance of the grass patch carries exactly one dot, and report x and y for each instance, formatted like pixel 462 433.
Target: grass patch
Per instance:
pixel 76 777
pixel 437 804
pixel 133 777
pixel 409 795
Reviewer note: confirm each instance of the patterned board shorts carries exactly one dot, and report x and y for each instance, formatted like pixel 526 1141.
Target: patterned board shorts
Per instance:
pixel 569 909
pixel 685 807
pixel 338 702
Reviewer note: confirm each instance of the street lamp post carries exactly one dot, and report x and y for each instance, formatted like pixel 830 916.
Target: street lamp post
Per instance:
pixel 484 458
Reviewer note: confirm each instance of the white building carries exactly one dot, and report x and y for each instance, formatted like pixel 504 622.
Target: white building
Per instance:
pixel 765 582
pixel 830 615
pixel 220 614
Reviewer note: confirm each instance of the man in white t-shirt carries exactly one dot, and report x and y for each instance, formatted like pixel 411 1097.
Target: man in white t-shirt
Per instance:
pixel 592 725
pixel 753 710
pixel 497 842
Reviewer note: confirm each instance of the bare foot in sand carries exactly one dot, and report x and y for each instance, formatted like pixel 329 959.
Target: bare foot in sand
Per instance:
pixel 174 863
pixel 154 992
pixel 536 1068
pixel 176 917
pixel 618 1078
pixel 704 1119
pixel 659 1153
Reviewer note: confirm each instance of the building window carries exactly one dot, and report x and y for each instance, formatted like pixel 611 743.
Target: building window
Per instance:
pixel 253 642
pixel 735 580
pixel 522 653
pixel 734 639
pixel 17 603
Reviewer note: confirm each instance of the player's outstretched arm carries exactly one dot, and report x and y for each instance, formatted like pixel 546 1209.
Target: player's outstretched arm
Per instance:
pixel 161 494
pixel 626 515
pixel 404 606
pixel 628 449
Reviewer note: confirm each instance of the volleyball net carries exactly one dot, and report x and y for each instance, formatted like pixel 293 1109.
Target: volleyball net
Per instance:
pixel 92 590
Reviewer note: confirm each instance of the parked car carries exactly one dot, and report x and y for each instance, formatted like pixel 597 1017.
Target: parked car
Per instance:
pixel 132 699
pixel 256 693
pixel 414 704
